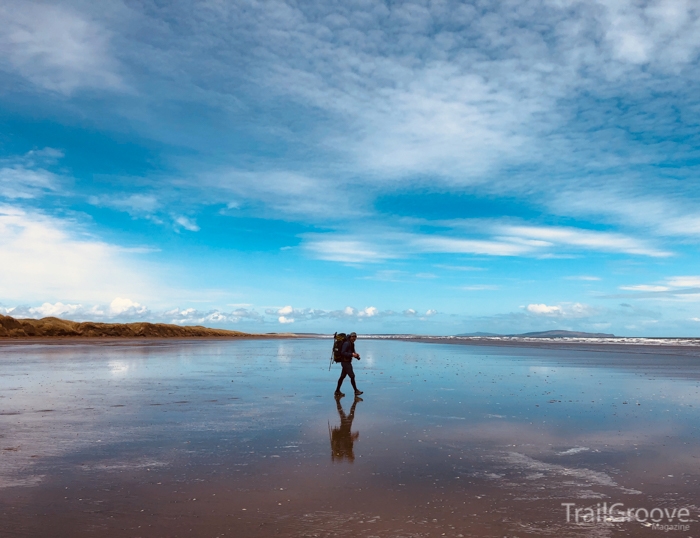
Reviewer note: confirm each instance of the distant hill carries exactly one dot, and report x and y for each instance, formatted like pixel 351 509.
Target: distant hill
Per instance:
pixel 566 334
pixel 548 334
pixel 55 327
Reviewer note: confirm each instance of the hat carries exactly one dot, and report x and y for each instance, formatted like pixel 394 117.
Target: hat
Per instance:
pixel 353 334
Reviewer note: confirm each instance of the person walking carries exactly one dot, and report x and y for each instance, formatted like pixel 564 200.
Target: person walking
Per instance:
pixel 348 353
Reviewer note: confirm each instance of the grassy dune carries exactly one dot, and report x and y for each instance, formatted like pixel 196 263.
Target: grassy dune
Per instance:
pixel 55 327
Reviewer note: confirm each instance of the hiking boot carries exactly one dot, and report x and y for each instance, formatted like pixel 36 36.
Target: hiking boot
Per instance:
pixel 358 392
pixel 358 399
pixel 338 394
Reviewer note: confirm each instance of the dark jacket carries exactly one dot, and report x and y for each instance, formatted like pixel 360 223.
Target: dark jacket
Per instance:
pixel 347 350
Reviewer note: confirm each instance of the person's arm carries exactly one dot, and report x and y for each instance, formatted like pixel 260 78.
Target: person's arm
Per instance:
pixel 346 351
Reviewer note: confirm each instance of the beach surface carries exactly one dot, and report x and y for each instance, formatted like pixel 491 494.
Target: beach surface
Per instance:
pixel 243 438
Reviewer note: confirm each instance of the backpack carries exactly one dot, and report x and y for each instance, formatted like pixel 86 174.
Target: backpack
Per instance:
pixel 338 341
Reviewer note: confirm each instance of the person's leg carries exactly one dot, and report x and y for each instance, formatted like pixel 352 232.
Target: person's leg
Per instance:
pixel 351 375
pixel 342 377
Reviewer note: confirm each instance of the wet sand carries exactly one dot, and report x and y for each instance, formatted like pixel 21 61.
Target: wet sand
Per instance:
pixel 244 438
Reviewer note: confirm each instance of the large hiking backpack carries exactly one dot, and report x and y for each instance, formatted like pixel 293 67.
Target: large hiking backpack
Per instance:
pixel 338 341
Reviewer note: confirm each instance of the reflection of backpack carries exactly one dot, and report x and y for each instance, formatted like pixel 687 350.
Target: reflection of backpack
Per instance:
pixel 338 341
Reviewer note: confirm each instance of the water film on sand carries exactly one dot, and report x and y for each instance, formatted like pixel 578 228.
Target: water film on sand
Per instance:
pixel 245 439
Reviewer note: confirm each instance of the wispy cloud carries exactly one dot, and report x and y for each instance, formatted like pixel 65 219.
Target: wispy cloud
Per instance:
pixel 682 288
pixel 346 250
pixel 136 205
pixel 26 176
pixel 394 100
pixel 505 241
pixel 434 243
pixel 187 223
pixel 586 239
pixel 645 287
pixel 57 48
pixel 293 194
pixel 684 281
pixel 18 182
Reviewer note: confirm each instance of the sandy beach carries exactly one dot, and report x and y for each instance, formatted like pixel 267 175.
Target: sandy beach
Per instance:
pixel 244 438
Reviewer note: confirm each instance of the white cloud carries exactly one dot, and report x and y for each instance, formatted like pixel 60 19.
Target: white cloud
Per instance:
pixel 368 312
pixel 684 281
pixel 126 310
pixel 121 306
pixel 644 287
pixel 285 311
pixel 190 316
pixel 480 287
pixel 56 310
pixel 678 288
pixel 584 278
pixel 430 312
pixel 564 310
pixel 45 258
pixel 283 319
pixel 187 223
pixel 543 309
pixel 56 48
pixel 662 33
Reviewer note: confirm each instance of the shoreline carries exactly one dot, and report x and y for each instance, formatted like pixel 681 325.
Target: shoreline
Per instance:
pixel 135 340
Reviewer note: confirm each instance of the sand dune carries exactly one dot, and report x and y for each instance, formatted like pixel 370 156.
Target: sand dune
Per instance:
pixel 55 327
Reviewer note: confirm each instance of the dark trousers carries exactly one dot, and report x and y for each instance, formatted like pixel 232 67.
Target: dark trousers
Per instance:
pixel 347 371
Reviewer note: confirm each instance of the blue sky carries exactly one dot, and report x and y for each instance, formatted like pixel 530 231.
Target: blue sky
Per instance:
pixel 428 167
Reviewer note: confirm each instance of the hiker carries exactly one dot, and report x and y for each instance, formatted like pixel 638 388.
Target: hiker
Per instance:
pixel 342 438
pixel 347 353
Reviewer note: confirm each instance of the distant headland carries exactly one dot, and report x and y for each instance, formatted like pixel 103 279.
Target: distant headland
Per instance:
pixel 547 334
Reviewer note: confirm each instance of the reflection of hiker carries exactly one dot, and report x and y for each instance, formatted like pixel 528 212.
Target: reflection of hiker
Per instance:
pixel 347 353
pixel 342 439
